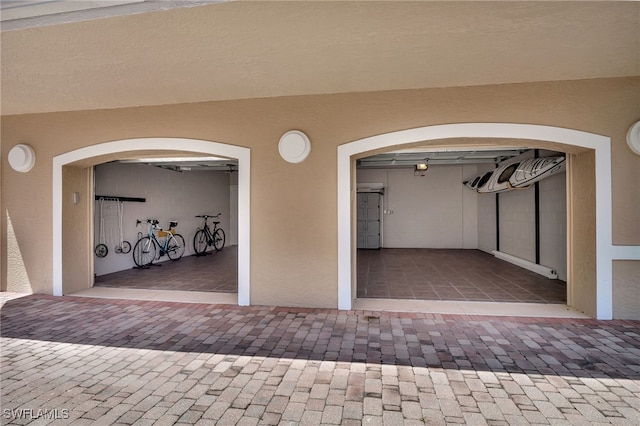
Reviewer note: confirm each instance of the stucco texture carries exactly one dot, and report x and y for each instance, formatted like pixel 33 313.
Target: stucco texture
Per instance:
pixel 294 206
pixel 260 49
pixel 626 291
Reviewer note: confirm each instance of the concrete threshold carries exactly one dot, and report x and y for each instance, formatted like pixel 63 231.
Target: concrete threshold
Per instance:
pixel 542 310
pixel 160 295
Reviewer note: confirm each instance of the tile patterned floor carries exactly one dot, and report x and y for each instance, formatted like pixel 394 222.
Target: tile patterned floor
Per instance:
pixel 215 272
pixel 428 274
pixel 115 362
pixel 450 274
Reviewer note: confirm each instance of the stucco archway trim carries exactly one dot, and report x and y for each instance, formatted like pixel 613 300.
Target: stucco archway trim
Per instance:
pixel 169 144
pixel 600 144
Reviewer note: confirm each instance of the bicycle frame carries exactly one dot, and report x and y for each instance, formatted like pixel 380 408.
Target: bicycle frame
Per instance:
pixel 206 236
pixel 162 246
pixel 171 244
pixel 207 230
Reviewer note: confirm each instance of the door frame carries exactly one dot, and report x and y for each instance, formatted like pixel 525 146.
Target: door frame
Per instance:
pixel 242 154
pixel 600 144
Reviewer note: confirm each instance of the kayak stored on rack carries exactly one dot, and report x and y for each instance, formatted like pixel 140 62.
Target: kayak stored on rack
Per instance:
pixel 517 174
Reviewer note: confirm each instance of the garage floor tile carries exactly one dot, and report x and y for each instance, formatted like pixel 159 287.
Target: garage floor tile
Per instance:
pixel 451 274
pixel 419 274
pixel 214 272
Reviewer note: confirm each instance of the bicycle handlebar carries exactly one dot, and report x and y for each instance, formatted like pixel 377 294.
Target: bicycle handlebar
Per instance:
pixel 207 216
pixel 151 221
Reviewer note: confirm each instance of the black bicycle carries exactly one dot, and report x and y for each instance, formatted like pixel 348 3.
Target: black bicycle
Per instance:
pixel 206 237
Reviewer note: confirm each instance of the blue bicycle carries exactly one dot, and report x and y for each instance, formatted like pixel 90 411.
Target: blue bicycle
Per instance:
pixel 158 241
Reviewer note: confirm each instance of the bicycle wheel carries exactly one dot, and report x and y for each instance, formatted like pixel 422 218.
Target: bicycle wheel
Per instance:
pixel 218 239
pixel 144 252
pixel 200 243
pixel 101 250
pixel 124 248
pixel 175 248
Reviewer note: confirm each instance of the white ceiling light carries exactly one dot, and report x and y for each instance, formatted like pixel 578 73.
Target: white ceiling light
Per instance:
pixel 422 166
pixel 22 158
pixel 633 137
pixel 294 146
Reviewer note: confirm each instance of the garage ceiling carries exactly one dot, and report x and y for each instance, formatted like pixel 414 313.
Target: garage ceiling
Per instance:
pixel 188 164
pixel 409 159
pixel 240 50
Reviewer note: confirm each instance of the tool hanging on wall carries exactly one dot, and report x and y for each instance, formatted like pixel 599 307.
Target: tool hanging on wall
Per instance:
pixel 123 247
pixel 101 249
pixel 109 226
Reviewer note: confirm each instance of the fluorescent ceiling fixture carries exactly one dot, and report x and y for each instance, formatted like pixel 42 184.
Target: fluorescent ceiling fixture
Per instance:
pixel 174 160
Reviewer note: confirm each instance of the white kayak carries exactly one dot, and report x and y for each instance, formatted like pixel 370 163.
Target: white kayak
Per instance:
pixel 517 174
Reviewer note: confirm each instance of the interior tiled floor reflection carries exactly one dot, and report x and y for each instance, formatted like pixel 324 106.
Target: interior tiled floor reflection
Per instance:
pixel 451 274
pixel 426 274
pixel 215 272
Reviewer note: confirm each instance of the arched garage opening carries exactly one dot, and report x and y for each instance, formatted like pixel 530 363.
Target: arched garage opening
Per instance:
pixel 65 248
pixel 589 206
pixel 424 236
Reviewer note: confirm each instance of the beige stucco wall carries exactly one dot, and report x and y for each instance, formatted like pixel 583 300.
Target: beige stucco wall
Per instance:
pixel 76 244
pixel 294 206
pixel 626 290
pixel 582 233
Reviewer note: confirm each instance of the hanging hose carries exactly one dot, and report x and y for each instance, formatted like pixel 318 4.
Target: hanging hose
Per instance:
pixel 123 247
pixel 101 249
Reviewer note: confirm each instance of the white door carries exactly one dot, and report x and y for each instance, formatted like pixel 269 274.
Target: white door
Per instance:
pixel 369 220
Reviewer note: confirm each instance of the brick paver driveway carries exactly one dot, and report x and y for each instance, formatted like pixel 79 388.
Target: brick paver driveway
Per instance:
pixel 102 361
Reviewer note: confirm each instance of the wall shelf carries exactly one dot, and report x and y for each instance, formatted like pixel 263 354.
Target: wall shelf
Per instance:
pixel 123 199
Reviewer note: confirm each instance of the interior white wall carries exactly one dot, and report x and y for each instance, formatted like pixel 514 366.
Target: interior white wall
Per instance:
pixel 486 216
pixel 430 211
pixel 517 222
pixel 437 211
pixel 169 195
pixel 553 223
pixel 469 209
pixel 232 235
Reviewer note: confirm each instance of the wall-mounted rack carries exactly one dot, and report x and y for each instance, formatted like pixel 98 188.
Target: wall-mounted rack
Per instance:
pixel 123 199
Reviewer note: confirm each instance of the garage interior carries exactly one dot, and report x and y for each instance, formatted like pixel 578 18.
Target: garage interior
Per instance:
pixel 423 235
pixel 167 189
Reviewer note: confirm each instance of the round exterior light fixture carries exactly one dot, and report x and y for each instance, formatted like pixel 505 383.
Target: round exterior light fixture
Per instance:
pixel 294 146
pixel 633 137
pixel 22 158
